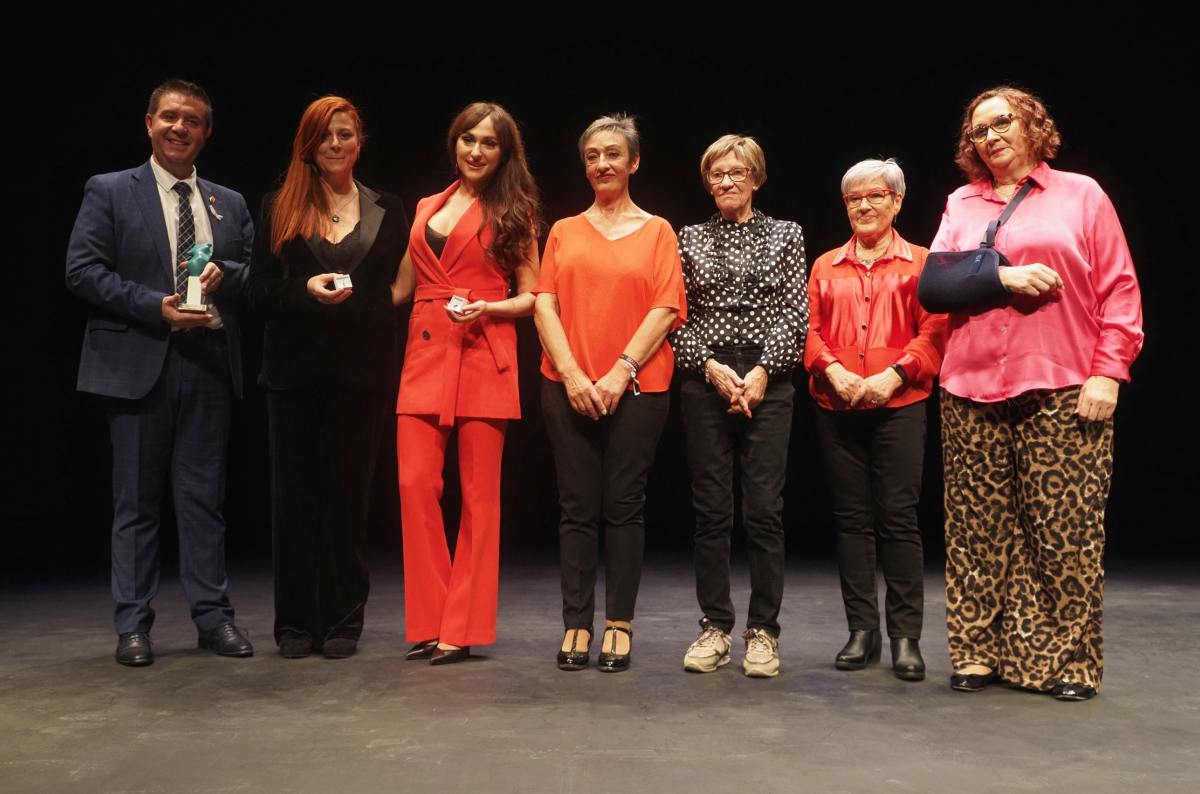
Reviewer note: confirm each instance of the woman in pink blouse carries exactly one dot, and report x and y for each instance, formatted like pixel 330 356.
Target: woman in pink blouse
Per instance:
pixel 1029 384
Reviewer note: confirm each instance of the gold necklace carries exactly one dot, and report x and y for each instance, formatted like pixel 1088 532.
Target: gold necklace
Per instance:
pixel 1005 190
pixel 335 217
pixel 870 256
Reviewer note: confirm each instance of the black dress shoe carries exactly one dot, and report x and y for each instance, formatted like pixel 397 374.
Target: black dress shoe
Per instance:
pixel 422 650
pixel 863 648
pixel 907 663
pixel 611 661
pixel 226 640
pixel 133 649
pixel 339 647
pixel 972 682
pixel 449 655
pixel 573 659
pixel 1072 692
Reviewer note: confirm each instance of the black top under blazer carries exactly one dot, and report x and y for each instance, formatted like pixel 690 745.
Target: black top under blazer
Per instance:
pixel 312 346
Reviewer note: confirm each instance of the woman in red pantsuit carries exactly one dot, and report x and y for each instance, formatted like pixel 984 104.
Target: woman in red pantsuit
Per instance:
pixel 468 244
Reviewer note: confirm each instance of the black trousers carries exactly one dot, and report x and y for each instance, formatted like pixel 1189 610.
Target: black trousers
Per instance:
pixel 324 445
pixel 874 461
pixel 177 435
pixel 716 442
pixel 602 468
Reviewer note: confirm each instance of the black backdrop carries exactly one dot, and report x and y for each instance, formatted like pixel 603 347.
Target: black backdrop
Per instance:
pixel 815 110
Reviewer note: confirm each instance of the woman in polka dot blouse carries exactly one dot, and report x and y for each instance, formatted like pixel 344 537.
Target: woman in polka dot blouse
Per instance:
pixel 747 317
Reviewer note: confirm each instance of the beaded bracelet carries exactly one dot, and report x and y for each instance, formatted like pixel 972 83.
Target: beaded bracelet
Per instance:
pixel 634 366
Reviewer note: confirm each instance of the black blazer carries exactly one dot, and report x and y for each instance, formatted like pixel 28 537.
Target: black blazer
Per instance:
pixel 313 346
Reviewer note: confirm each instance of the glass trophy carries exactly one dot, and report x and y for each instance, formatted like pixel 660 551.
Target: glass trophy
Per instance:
pixel 199 256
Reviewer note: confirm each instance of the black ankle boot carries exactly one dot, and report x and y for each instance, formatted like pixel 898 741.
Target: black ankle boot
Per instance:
pixel 863 648
pixel 907 663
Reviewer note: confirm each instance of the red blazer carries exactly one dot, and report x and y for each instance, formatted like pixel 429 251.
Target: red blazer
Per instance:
pixel 457 369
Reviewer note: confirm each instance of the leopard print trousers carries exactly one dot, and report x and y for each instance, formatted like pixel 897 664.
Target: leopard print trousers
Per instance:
pixel 1026 484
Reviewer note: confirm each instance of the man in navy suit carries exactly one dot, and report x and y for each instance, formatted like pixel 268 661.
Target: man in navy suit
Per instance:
pixel 166 377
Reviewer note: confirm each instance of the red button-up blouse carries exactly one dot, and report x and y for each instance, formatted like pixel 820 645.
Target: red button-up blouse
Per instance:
pixel 868 319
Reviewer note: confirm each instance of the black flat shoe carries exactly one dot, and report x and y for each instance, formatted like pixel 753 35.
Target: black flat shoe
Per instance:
pixel 450 655
pixel 864 647
pixel 133 649
pixel 339 647
pixel 907 663
pixel 573 659
pixel 1072 692
pixel 422 650
pixel 611 661
pixel 972 682
pixel 295 645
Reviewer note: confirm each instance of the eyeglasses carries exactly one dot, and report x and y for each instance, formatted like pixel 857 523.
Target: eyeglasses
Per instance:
pixel 734 174
pixel 978 133
pixel 874 198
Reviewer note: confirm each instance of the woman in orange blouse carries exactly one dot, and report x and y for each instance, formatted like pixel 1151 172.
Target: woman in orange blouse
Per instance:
pixel 460 371
pixel 873 352
pixel 610 289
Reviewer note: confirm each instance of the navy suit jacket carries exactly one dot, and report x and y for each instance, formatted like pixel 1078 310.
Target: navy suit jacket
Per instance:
pixel 120 263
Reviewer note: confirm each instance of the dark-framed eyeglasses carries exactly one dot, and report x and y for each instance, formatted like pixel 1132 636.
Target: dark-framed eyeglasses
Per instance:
pixel 734 174
pixel 1000 124
pixel 873 197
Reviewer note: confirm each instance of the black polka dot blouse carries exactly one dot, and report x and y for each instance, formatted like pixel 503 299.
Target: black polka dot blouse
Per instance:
pixel 746 285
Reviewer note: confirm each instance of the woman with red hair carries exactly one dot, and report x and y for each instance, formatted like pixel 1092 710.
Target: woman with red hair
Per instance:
pixel 324 260
pixel 470 244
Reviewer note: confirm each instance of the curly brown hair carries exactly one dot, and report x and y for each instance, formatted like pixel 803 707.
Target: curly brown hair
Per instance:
pixel 1039 129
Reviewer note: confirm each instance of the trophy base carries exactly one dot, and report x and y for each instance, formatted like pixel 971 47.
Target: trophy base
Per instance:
pixel 199 308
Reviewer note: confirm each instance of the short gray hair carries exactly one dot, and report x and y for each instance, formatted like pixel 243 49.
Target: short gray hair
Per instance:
pixel 621 123
pixel 888 170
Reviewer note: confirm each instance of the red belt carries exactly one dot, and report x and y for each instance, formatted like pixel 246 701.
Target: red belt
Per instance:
pixel 452 360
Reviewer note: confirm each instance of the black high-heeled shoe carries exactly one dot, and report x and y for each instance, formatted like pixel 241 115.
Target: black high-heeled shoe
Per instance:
pixel 864 647
pixel 972 682
pixel 611 661
pixel 573 659
pixel 449 655
pixel 422 650
pixel 907 663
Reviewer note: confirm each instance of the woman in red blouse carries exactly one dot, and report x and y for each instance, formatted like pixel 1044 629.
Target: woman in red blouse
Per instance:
pixel 460 373
pixel 873 352
pixel 1029 386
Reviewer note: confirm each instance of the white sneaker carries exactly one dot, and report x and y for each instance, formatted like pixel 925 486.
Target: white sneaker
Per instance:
pixel 762 654
pixel 709 652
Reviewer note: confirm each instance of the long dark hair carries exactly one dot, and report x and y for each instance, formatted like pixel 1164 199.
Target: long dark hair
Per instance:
pixel 510 198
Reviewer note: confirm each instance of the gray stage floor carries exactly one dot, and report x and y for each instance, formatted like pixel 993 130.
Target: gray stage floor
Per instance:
pixel 71 719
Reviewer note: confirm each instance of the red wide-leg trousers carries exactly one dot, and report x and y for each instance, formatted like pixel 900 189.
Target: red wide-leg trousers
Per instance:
pixel 452 601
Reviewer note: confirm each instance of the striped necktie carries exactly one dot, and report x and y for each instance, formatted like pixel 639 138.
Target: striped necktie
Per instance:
pixel 186 237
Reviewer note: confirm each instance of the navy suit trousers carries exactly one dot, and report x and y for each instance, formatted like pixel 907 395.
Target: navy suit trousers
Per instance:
pixel 174 436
